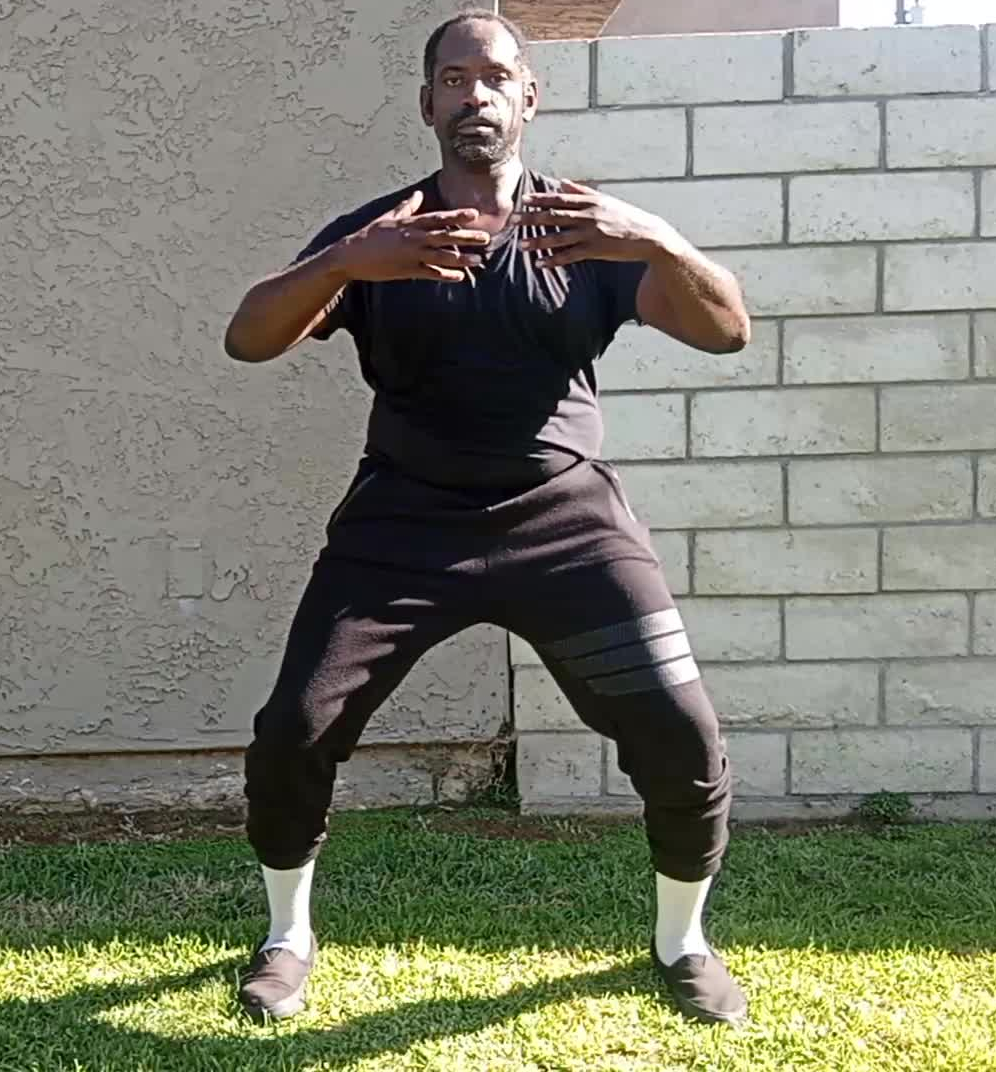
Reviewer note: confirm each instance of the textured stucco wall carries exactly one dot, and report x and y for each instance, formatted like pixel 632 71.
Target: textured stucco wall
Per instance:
pixel 160 505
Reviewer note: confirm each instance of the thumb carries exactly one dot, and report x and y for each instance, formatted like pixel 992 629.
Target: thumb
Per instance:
pixel 577 187
pixel 409 206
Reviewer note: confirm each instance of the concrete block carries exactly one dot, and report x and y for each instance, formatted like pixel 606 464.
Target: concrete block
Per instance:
pixel 539 703
pixel 563 70
pixel 893 760
pixel 958 693
pixel 805 282
pixel 758 763
pixel 876 627
pixel 985 344
pixel 644 426
pixel 608 145
pixel 743 140
pixel 798 561
pixel 617 783
pixel 862 208
pixel 712 212
pixel 855 490
pixel 989 204
pixel 886 61
pixel 941 133
pixel 558 765
pixel 645 359
pixel 381 777
pixel 732 630
pixel 689 69
pixel 940 557
pixel 672 551
pixel 126 782
pixel 987 741
pixel 693 495
pixel 795 696
pixel 987 486
pixel 948 276
pixel 985 624
pixel 869 349
pixel 956 417
pixel 989 33
pixel 816 420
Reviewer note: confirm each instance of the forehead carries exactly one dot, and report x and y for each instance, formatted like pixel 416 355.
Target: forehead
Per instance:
pixel 477 41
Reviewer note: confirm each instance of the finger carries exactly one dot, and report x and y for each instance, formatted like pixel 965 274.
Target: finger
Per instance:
pixel 571 255
pixel 550 217
pixel 440 275
pixel 434 220
pixel 409 206
pixel 457 237
pixel 558 200
pixel 453 258
pixel 552 240
pixel 577 187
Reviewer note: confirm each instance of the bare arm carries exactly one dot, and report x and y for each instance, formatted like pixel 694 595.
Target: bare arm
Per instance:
pixel 283 309
pixel 280 311
pixel 682 292
pixel 691 298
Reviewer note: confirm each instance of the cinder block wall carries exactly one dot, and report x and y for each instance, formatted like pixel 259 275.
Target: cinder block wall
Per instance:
pixel 824 503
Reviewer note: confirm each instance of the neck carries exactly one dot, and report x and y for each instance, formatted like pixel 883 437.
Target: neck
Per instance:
pixel 490 190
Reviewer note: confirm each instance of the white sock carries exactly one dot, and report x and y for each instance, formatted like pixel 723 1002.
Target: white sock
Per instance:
pixel 679 918
pixel 289 895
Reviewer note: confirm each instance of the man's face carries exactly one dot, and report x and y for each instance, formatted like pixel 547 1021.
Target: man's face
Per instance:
pixel 480 94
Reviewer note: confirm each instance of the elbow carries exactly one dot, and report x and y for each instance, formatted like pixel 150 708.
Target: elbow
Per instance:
pixel 736 331
pixel 233 349
pixel 239 348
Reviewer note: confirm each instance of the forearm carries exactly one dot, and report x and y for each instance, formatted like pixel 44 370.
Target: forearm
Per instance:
pixel 282 309
pixel 691 297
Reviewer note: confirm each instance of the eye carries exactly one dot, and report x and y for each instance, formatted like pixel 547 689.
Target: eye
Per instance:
pixel 451 81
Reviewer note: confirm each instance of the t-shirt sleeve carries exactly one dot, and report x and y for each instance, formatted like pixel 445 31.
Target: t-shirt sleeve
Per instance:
pixel 620 282
pixel 337 311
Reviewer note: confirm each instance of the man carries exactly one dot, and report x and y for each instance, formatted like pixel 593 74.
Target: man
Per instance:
pixel 478 300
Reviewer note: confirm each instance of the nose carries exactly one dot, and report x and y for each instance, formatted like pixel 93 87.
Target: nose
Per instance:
pixel 477 94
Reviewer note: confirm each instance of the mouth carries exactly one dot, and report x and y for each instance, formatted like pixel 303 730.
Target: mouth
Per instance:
pixel 476 126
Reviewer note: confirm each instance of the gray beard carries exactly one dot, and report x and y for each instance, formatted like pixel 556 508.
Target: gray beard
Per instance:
pixel 491 150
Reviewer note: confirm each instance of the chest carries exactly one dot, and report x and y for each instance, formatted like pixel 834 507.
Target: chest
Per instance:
pixel 508 309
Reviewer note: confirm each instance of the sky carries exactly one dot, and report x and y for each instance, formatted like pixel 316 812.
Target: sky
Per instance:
pixel 936 12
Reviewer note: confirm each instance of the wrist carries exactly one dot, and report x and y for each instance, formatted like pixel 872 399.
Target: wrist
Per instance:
pixel 665 245
pixel 338 260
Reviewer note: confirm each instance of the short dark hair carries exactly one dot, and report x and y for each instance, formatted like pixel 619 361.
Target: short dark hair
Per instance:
pixel 478 15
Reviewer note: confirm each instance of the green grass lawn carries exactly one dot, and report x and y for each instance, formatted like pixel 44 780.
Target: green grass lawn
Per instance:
pixel 445 950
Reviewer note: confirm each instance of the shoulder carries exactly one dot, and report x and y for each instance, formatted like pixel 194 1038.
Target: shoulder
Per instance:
pixel 358 217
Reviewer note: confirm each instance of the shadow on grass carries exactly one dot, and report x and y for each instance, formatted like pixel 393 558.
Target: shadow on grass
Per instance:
pixel 38 1028
pixel 395 881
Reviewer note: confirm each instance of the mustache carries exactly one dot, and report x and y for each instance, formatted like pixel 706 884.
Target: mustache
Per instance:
pixel 474 117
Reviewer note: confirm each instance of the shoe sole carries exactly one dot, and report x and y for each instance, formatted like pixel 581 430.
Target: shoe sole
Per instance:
pixel 281 1010
pixel 693 1012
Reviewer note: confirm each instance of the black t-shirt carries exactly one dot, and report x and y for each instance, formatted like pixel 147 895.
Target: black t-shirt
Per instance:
pixel 489 382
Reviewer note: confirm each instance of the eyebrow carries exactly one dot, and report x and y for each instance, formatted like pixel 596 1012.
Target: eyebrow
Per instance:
pixel 495 66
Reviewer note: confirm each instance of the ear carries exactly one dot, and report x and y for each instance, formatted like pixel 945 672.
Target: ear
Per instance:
pixel 530 97
pixel 425 104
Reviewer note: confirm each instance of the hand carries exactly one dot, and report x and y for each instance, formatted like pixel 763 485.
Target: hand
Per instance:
pixel 401 245
pixel 589 226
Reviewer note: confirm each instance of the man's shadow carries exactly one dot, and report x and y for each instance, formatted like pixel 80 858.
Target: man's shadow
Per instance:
pixel 34 1025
